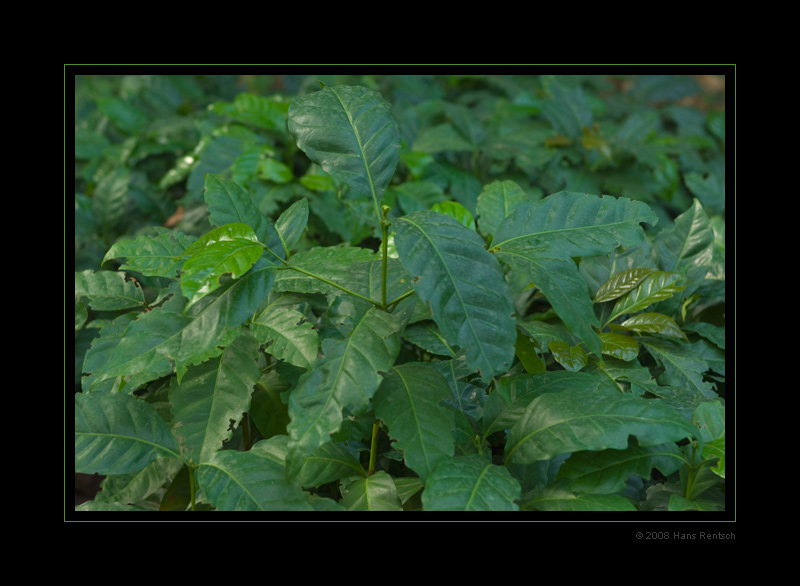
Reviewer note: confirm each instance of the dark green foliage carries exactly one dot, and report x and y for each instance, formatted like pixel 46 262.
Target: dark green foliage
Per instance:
pixel 497 293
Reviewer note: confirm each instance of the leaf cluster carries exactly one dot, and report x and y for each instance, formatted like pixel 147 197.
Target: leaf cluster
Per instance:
pixel 422 293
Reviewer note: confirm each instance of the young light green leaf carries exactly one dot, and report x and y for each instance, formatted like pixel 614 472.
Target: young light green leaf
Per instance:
pixel 456 211
pixel 577 419
pixel 107 290
pixel 652 323
pixel 408 402
pixel 351 133
pixel 213 394
pixel 463 285
pixel 116 433
pixel 471 483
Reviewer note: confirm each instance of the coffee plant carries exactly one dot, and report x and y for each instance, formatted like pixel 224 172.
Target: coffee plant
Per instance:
pixel 494 294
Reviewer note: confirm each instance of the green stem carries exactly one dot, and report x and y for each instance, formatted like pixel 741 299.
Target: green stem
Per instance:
pixel 385 245
pixel 373 449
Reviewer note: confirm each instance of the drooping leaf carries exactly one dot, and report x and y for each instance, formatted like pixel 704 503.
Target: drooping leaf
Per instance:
pixel 249 481
pixel 619 346
pixel 471 483
pixel 559 279
pixel 213 394
pixel 346 377
pixel 573 358
pixel 107 290
pixel 463 285
pixel 351 133
pixel 576 419
pixel 116 433
pixel 408 402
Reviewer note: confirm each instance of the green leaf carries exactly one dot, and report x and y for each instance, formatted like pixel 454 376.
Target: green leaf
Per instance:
pixel 331 263
pixel 655 287
pixel 329 462
pixel 576 224
pixel 346 377
pixel 152 256
pixel 683 367
pixel 456 211
pixel 107 290
pixel 688 247
pixel 351 133
pixel 621 283
pixel 653 323
pixel 291 224
pixel 557 497
pixel 606 472
pixel 374 493
pixel 471 483
pixel 577 419
pixel 287 336
pixel 213 394
pixel 408 402
pixel 233 248
pixel 619 346
pixel 116 433
pixel 496 202
pixel 230 203
pixel 249 481
pixel 463 285
pixel 573 358
pixel 562 284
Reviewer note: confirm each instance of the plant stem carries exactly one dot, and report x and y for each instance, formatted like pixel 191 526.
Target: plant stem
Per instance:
pixel 373 449
pixel 385 246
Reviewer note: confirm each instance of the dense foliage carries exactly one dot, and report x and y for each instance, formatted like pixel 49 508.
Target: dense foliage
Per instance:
pixel 388 293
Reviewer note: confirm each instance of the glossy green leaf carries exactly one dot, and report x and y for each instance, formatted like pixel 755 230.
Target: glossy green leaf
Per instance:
pixel 331 263
pixel 687 247
pixel 619 346
pixel 463 285
pixel 230 249
pixel 213 394
pixel 456 211
pixel 652 323
pixel 351 133
pixel 471 483
pixel 329 462
pixel 408 401
pixel 558 497
pixel 249 481
pixel 577 419
pixel 573 358
pixel 107 290
pixel 116 433
pixel 683 367
pixel 346 377
pixel 621 283
pixel 655 287
pixel 374 493
pixel 709 418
